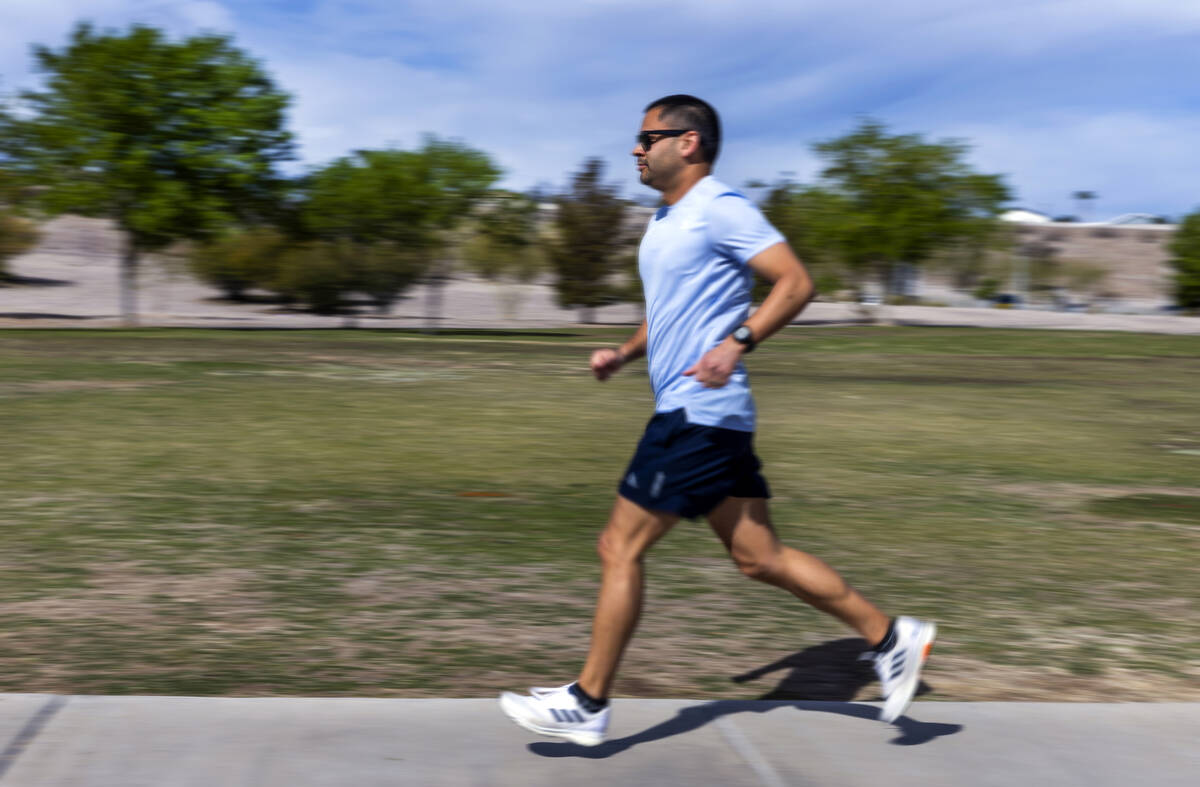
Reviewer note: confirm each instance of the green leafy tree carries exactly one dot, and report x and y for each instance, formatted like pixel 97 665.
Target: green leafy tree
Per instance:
pixel 171 140
pixel 586 253
pixel 818 224
pixel 1185 258
pixel 408 200
pixel 369 196
pixel 905 199
pixel 460 177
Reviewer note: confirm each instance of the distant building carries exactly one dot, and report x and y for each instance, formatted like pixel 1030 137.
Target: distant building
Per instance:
pixel 1139 219
pixel 1025 216
pixel 1131 251
pixel 1120 265
pixel 1028 216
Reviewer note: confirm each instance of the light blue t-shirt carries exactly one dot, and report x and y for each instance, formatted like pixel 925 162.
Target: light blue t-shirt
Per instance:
pixel 692 261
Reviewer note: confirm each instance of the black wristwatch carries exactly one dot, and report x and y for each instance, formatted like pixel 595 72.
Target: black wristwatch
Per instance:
pixel 745 337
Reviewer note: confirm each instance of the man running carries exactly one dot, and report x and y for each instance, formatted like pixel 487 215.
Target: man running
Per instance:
pixel 697 262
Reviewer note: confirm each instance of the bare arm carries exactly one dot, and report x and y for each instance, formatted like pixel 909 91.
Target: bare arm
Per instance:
pixel 792 290
pixel 606 361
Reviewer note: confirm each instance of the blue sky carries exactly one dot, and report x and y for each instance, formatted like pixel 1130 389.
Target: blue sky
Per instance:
pixel 1056 95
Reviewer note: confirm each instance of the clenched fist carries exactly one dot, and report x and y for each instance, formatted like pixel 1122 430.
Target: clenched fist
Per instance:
pixel 715 366
pixel 606 362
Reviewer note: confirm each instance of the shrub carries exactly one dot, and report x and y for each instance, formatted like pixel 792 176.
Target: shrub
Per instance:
pixel 17 236
pixel 240 261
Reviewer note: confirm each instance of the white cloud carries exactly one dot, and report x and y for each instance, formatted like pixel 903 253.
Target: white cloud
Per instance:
pixel 49 23
pixel 206 15
pixel 1041 86
pixel 1135 163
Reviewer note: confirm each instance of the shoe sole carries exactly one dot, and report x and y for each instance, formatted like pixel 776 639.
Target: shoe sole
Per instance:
pixel 902 695
pixel 580 737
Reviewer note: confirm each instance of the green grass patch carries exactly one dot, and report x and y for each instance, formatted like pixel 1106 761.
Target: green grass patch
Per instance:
pixel 394 513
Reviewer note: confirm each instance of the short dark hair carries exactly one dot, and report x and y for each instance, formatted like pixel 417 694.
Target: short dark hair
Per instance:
pixel 694 114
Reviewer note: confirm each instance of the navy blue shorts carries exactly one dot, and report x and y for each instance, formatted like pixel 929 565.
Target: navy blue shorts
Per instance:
pixel 688 469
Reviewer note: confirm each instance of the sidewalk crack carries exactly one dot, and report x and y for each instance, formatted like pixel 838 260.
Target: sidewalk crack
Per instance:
pixel 30 731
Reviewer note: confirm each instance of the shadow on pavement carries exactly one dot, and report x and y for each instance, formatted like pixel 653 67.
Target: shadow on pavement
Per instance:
pixel 829 671
pixel 823 678
pixel 32 281
pixel 42 316
pixel 912 732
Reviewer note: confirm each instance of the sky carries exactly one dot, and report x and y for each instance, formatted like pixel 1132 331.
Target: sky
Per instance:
pixel 1058 96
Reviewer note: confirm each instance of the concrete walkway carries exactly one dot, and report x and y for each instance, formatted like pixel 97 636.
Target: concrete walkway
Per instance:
pixel 50 740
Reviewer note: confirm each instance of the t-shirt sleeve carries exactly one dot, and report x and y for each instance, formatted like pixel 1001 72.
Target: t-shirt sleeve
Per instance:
pixel 737 229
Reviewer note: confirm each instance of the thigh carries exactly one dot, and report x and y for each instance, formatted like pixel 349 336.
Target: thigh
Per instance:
pixel 744 526
pixel 632 528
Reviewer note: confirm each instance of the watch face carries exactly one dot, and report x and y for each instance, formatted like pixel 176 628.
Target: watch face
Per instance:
pixel 742 334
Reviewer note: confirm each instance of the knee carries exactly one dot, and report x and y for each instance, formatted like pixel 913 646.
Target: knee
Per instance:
pixel 615 550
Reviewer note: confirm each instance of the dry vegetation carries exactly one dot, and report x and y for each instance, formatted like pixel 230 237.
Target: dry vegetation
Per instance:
pixel 383 514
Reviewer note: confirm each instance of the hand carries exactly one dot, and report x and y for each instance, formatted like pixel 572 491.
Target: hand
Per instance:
pixel 606 362
pixel 715 366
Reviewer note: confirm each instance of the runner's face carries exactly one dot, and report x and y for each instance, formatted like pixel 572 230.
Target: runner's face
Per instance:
pixel 658 165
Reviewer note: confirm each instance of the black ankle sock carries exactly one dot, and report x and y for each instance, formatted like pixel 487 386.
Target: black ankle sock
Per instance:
pixel 889 639
pixel 587 701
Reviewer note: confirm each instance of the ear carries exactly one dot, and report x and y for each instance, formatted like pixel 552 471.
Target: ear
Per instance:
pixel 691 145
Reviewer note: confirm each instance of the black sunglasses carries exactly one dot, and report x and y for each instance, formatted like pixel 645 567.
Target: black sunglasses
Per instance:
pixel 644 137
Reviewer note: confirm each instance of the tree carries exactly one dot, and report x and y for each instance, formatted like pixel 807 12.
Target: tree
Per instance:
pixel 460 177
pixel 905 199
pixel 817 223
pixel 368 196
pixel 504 244
pixel 171 140
pixel 590 233
pixel 409 200
pixel 1185 258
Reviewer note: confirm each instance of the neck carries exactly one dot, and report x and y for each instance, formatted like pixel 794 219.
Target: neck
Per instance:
pixel 688 177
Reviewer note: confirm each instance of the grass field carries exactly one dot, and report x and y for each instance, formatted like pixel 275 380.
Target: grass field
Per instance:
pixel 395 514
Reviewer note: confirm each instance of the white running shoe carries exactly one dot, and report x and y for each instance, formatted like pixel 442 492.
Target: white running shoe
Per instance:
pixel 542 691
pixel 556 712
pixel 899 669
